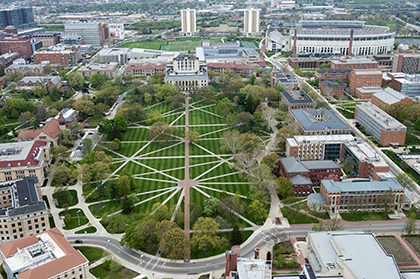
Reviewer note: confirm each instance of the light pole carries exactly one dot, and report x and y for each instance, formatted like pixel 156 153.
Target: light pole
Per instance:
pixel 78 217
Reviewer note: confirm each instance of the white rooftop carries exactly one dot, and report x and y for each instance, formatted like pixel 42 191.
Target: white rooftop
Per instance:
pixel 379 116
pixel 325 138
pixel 360 253
pixel 15 151
pixel 365 154
pixel 251 268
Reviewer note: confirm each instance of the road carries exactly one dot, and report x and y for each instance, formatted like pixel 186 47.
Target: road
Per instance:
pixel 156 264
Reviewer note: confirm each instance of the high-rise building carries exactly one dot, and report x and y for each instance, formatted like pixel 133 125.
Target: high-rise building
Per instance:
pixel 251 22
pixel 21 18
pixel 93 33
pixel 188 25
pixel 116 30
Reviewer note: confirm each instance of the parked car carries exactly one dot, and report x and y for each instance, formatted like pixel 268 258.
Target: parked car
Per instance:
pixel 78 241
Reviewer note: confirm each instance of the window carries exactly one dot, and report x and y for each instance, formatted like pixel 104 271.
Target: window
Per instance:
pixel 30 227
pixel 29 221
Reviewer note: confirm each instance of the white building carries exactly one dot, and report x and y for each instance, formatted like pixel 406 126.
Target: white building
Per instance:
pixel 188 23
pixel 251 22
pixel 347 37
pixel 92 32
pixel 116 30
pixel 275 41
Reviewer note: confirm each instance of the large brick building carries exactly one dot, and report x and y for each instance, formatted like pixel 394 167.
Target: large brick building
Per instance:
pixel 354 63
pixel 240 69
pixel 24 159
pixel 389 96
pixel 335 88
pixel 406 61
pixel 59 55
pixel 145 70
pixel 383 127
pixel 297 100
pixel 361 78
pixel 340 75
pixel 366 92
pixel 47 133
pixel 48 38
pixel 14 43
pixel 318 147
pixel 343 196
pixel 48 82
pixel 319 122
pixel 303 174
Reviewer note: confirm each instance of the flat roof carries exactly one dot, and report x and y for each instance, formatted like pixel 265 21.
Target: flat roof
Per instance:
pixel 297 97
pixel 367 72
pixel 325 139
pixel 390 96
pixel 362 185
pixel 379 116
pixel 309 122
pixel 360 252
pixel 364 153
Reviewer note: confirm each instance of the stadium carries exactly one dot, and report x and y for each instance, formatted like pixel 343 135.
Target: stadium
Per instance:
pixel 334 37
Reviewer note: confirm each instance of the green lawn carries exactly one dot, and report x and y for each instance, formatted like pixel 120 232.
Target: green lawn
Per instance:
pixel 91 253
pixel 126 87
pixel 95 119
pixel 295 217
pixel 74 219
pixel 52 223
pixel 74 199
pixel 87 230
pixel 364 216
pixel 121 272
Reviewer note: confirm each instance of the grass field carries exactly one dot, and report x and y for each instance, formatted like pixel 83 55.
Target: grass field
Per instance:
pixel 394 247
pixel 74 218
pixel 121 272
pixel 181 44
pixel 91 253
pixel 74 200
pixel 157 167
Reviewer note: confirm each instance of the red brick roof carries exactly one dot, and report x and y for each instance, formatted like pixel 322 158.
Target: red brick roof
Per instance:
pixel 30 158
pixel 262 63
pixel 52 128
pixel 72 259
pixel 147 66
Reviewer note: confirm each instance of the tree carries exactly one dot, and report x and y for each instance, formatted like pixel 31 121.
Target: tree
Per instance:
pixel 348 165
pixel 211 74
pixel 40 91
pixel 405 181
pixel 272 161
pixel 148 98
pixel 231 141
pixel 236 236
pixel 116 133
pixel 319 227
pixel 335 224
pixel 162 132
pixel 75 80
pixel 116 144
pixel 173 242
pixel 96 80
pixel 86 107
pixel 61 152
pixel 87 146
pixel 47 69
pixel 260 173
pixel 141 235
pixel 410 225
pixel 355 203
pixel 283 134
pixel 245 161
pixel 128 205
pixel 285 187
pixel 205 234
pixel 160 212
pixel 192 136
pixel 153 116
pixel 211 206
pixel 24 118
pixel 257 210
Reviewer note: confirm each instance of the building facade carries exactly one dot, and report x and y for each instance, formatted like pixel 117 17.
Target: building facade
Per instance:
pixel 29 83
pixel 332 87
pixel 93 33
pixel 145 70
pixel 366 92
pixel 383 127
pixel 20 68
pixel 47 254
pixel 340 75
pixel 344 196
pixel 364 78
pixel 107 70
pixel 59 55
pixel 24 159
pixel 341 37
pixel 318 147
pixel 48 38
pixel 14 43
pixel 251 22
pixel 297 99
pixel 188 23
pixel 354 63
pixel 186 73
pixel 23 213
pixel 239 69
pixel 319 122
pixel 406 61
pixel 47 133
pixel 71 39
pixel 303 174
pixel 279 79
pixel 20 18
pixel 116 30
